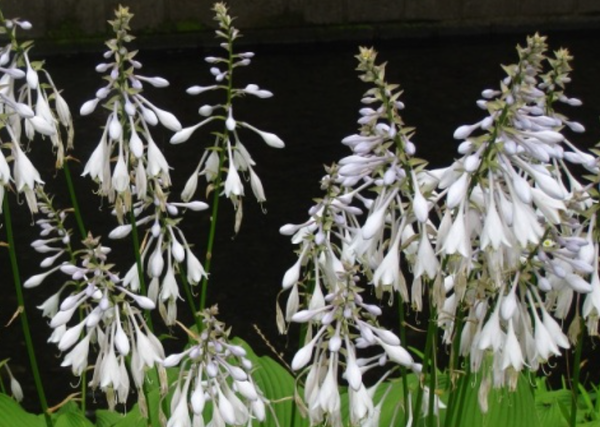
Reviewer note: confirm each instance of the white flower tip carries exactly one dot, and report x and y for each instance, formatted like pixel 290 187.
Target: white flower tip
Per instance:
pixel 88 107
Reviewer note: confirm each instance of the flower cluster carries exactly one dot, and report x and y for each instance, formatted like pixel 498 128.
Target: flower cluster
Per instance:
pixel 340 253
pixel 141 171
pixel 339 327
pixel 228 153
pixel 30 104
pixel 214 371
pixel 165 253
pixel 92 307
pixel 141 168
pixel 512 233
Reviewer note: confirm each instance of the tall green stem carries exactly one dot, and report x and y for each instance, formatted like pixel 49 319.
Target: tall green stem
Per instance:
pixel 83 235
pixel 74 202
pixel 433 377
pixel 428 361
pixel 576 374
pixel 403 371
pixel 211 234
pixel 218 179
pixel 454 359
pixel 462 392
pixel 23 313
pixel 135 239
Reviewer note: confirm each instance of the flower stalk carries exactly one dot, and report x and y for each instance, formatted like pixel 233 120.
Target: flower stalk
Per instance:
pixel 33 363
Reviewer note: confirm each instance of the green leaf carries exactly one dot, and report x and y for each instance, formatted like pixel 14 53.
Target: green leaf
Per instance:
pixel 12 414
pixel 505 408
pixel 72 419
pixel 106 418
pixel 548 406
pixel 133 419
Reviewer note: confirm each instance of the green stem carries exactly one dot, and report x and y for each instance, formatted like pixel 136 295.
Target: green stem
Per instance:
pixel 433 378
pixel 576 374
pixel 83 235
pixel 74 202
pixel 454 358
pixel 23 314
pixel 211 234
pixel 135 239
pixel 218 179
pixel 429 350
pixel 462 392
pixel 190 298
pixel 403 371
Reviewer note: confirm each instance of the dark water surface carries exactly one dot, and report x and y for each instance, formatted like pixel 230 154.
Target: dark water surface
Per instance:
pixel 317 97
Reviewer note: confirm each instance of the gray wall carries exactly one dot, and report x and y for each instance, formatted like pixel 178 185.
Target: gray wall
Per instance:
pixel 76 18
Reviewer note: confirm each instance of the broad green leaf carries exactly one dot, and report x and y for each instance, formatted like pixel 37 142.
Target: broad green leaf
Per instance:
pixel 12 414
pixel 106 418
pixel 505 408
pixel 133 419
pixel 72 419
pixel 548 406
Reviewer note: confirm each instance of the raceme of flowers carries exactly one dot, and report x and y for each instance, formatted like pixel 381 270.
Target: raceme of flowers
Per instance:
pixel 95 310
pixel 227 155
pixel 510 228
pixel 216 371
pixel 513 230
pixel 93 307
pixel 140 169
pixel 340 254
pixel 30 105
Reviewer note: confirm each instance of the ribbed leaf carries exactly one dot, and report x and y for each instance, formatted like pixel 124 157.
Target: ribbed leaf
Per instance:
pixel 548 407
pixel 105 418
pixel 11 414
pixel 72 419
pixel 505 408
pixel 132 419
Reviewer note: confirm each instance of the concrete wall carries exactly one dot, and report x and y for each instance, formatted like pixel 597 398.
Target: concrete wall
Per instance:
pixel 60 19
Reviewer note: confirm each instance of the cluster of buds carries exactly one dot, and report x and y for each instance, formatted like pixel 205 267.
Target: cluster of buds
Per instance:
pixel 512 232
pixel 228 153
pixel 30 105
pixel 214 371
pixel 92 307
